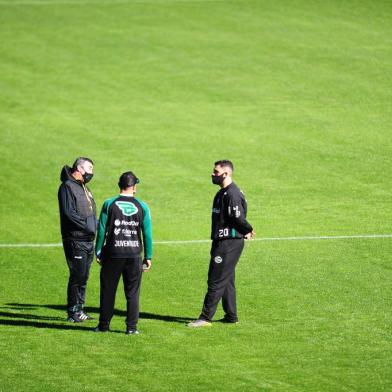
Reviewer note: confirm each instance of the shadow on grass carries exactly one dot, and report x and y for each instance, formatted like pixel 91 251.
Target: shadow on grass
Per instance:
pixel 40 324
pixel 32 320
pixel 30 316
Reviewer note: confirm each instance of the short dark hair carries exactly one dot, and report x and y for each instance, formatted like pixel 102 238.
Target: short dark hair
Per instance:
pixel 127 180
pixel 225 163
pixel 80 161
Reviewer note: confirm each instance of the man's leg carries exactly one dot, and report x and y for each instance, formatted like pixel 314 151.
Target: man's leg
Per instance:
pixel 132 277
pixel 224 258
pixel 229 303
pixel 88 248
pixel 75 263
pixel 109 277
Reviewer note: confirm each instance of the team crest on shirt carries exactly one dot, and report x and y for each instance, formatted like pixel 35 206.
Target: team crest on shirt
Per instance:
pixel 127 208
pixel 218 259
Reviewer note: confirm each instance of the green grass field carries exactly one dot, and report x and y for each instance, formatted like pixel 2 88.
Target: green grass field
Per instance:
pixel 297 94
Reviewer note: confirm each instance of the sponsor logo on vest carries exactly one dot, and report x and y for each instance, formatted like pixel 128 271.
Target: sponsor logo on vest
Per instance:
pixel 117 231
pixel 218 259
pixel 121 244
pixel 117 222
pixel 127 208
pixel 128 233
pixel 131 223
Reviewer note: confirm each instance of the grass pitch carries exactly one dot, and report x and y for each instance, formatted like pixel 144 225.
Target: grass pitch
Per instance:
pixel 297 94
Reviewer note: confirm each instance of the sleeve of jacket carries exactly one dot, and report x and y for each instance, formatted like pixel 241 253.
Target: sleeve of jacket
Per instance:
pixel 68 207
pixel 147 232
pixel 236 213
pixel 103 218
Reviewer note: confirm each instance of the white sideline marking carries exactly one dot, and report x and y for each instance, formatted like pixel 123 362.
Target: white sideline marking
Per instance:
pixel 61 2
pixel 100 2
pixel 266 239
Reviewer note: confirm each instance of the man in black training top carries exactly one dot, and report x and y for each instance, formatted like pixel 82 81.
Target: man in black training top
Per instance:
pixel 124 229
pixel 229 228
pixel 78 228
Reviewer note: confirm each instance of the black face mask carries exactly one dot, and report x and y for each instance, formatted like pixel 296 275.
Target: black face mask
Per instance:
pixel 217 180
pixel 87 177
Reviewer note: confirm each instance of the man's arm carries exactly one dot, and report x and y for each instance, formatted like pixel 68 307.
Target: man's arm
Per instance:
pixel 103 217
pixel 236 213
pixel 68 207
pixel 147 232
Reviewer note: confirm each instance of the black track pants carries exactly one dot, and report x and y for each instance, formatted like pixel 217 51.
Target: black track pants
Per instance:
pixel 111 271
pixel 221 279
pixel 79 256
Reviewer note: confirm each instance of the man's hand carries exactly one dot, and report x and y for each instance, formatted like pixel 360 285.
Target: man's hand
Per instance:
pixel 146 265
pixel 250 235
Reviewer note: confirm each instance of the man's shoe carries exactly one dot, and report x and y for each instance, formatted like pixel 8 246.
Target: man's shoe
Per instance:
pixel 74 318
pixel 228 321
pixel 132 332
pixel 85 316
pixel 199 323
pixel 98 329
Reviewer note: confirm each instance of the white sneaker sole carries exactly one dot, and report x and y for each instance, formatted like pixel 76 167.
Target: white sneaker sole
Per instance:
pixel 199 324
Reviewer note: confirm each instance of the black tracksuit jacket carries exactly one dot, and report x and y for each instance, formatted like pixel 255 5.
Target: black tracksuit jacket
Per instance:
pixel 229 214
pixel 77 209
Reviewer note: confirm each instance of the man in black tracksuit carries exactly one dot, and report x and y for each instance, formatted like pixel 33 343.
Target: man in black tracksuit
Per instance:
pixel 78 228
pixel 125 232
pixel 229 228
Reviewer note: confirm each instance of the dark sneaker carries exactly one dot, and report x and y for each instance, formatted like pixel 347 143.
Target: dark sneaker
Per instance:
pixel 228 321
pixel 74 318
pixel 78 317
pixel 132 332
pixel 85 316
pixel 98 329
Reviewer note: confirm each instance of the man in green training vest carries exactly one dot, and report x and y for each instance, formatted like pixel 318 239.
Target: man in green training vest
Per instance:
pixel 124 233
